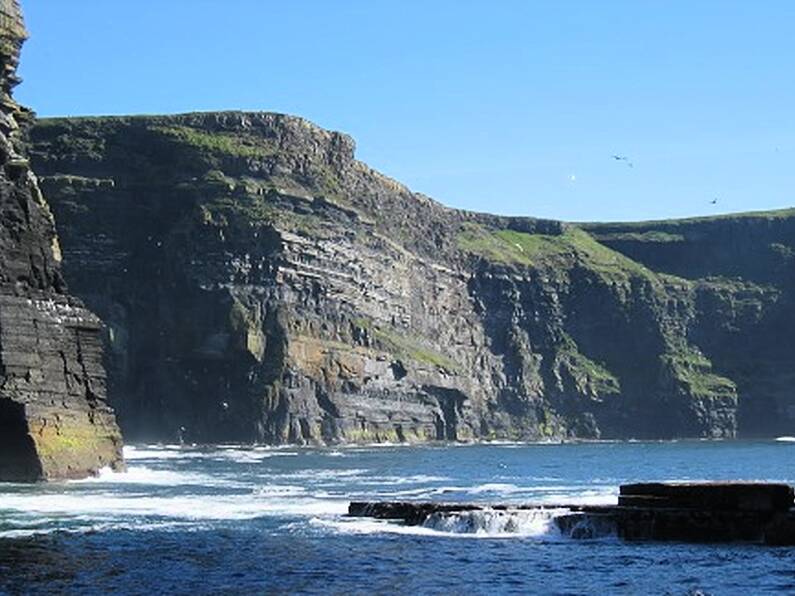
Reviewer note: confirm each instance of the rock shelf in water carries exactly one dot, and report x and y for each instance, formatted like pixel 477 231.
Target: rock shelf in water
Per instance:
pixel 691 512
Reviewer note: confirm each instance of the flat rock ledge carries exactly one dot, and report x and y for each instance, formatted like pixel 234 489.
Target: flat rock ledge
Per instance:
pixel 753 512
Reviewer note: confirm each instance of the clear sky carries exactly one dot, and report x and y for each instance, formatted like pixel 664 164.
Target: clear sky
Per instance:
pixel 508 106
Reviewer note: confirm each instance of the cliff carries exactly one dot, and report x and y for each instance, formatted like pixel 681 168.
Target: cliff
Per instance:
pixel 54 420
pixel 260 284
pixel 742 269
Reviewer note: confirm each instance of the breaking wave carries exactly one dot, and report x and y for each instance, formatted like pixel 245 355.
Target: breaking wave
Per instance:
pixel 233 454
pixel 488 522
pixel 147 476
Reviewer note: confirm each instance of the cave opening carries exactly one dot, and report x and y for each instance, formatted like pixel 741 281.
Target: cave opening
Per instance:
pixel 18 459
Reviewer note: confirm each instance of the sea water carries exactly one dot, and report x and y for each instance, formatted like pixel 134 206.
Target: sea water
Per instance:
pixel 236 519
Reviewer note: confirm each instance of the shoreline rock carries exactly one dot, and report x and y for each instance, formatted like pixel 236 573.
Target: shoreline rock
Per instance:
pixel 684 512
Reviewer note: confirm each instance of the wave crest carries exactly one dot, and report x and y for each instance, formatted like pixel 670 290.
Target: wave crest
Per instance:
pixel 489 522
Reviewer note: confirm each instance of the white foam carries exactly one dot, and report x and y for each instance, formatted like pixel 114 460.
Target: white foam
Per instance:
pixel 489 522
pixel 785 439
pixel 109 506
pixel 326 475
pixel 249 456
pixel 471 524
pixel 281 490
pixel 564 494
pixel 136 453
pixel 236 454
pixel 372 526
pixel 144 475
pixel 605 496
pixel 400 480
pixel 495 487
pixel 137 527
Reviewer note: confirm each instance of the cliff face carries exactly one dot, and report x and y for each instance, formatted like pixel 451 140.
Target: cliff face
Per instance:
pixel 54 421
pixel 742 269
pixel 260 284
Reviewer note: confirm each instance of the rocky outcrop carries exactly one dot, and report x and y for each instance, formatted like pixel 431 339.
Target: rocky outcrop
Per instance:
pixel 54 420
pixel 260 284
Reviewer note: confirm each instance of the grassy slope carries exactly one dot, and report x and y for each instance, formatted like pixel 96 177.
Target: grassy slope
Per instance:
pixel 576 247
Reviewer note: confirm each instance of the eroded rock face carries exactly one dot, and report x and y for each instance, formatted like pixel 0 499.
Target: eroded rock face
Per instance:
pixel 260 284
pixel 54 420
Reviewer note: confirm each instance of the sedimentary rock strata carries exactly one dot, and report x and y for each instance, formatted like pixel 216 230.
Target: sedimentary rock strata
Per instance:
pixel 261 284
pixel 54 419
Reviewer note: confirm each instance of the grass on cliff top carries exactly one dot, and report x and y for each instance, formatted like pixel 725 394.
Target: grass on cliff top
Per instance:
pixel 653 236
pixel 670 224
pixel 570 247
pixel 219 143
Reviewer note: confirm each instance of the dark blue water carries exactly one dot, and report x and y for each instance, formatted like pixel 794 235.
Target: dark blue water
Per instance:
pixel 237 520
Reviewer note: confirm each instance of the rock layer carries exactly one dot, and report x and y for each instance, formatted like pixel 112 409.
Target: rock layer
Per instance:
pixel 54 419
pixel 260 284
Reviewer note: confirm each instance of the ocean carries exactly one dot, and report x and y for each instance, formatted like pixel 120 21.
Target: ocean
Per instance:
pixel 271 520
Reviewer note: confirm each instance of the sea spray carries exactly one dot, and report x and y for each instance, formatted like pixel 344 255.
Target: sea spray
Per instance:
pixel 489 522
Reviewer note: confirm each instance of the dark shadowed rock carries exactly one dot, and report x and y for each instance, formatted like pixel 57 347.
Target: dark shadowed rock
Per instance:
pixel 54 420
pixel 738 496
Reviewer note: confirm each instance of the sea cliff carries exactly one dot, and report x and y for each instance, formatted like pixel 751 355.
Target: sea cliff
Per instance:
pixel 54 419
pixel 259 283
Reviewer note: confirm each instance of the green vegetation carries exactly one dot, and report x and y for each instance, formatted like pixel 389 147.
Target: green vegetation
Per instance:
pixel 596 227
pixel 595 375
pixel 406 347
pixel 689 365
pixel 651 236
pixel 68 442
pixel 246 202
pixel 222 209
pixel 573 246
pixel 70 143
pixel 219 143
pixel 328 183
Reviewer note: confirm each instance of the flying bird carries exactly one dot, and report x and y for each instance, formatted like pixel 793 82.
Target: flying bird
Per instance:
pixel 623 158
pixel 714 201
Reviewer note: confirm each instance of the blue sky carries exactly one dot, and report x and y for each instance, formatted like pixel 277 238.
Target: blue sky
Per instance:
pixel 506 106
